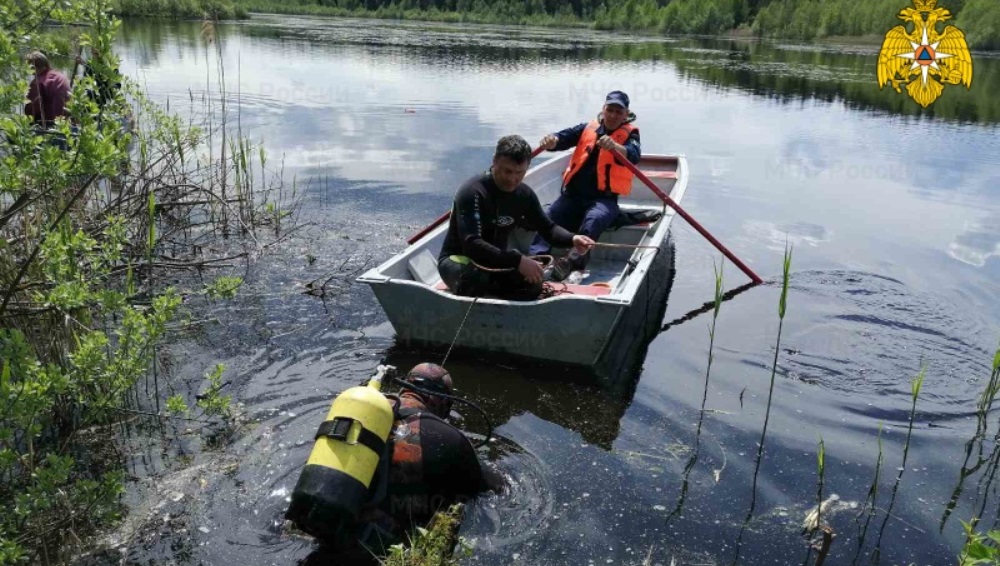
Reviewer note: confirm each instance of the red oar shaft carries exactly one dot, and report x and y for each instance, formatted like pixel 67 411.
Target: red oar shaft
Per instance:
pixel 690 219
pixel 444 217
pixel 426 230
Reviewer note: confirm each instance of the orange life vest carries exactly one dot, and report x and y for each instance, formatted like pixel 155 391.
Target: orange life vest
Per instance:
pixel 611 176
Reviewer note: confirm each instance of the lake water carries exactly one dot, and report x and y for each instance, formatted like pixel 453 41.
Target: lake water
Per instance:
pixel 893 214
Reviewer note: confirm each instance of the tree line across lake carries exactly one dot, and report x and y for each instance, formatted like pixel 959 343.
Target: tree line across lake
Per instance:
pixel 790 19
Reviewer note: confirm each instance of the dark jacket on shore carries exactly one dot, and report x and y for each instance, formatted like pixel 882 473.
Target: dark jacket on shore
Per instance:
pixel 47 96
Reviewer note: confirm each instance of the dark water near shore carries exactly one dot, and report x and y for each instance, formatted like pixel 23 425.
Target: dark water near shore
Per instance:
pixel 895 223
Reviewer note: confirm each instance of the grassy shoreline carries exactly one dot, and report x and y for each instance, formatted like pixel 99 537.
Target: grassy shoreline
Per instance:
pixel 803 20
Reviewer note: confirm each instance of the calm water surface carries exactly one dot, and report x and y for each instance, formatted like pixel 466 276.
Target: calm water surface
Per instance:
pixel 895 222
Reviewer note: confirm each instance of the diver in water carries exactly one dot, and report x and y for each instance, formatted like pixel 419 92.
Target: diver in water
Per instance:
pixel 433 464
pixel 427 466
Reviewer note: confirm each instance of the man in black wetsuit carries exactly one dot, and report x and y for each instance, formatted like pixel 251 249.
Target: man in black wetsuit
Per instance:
pixel 487 209
pixel 107 81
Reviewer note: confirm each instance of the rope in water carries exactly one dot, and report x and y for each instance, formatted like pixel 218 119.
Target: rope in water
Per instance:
pixel 455 339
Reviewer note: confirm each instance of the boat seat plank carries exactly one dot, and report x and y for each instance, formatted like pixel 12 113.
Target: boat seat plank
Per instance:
pixel 660 174
pixel 423 268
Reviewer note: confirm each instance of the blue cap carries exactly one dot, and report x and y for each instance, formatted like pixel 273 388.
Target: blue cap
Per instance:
pixel 617 97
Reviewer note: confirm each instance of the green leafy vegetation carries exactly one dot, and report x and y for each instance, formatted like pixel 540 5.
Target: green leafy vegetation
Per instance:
pixel 224 287
pixel 433 546
pixel 787 19
pixel 979 548
pixel 97 214
pixel 180 9
pixel 212 401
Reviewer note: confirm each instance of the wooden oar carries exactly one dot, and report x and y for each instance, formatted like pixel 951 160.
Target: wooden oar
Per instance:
pixel 690 219
pixel 444 217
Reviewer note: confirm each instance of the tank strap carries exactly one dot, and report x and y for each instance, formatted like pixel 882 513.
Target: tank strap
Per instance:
pixel 338 428
pixel 403 414
pixel 406 413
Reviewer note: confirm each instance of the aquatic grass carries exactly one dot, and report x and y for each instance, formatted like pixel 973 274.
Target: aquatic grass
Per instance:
pixel 814 519
pixel 717 307
pixel 820 473
pixel 782 309
pixel 915 387
pixel 975 445
pixel 868 508
pixel 433 546
pixel 979 549
pixel 992 387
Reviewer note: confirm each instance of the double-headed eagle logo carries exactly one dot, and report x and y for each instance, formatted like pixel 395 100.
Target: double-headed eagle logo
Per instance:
pixel 924 60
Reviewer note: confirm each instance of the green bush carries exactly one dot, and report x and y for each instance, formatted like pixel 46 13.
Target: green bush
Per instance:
pixel 980 19
pixel 813 19
pixel 979 549
pixel 704 17
pixel 179 9
pixel 82 306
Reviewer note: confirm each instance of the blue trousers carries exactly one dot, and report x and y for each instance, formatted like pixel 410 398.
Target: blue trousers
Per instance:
pixel 587 216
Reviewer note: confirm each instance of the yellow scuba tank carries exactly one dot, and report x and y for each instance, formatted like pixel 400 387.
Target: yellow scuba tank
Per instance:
pixel 335 481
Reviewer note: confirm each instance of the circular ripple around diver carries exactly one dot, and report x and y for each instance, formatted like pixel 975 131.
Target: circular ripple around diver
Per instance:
pixel 869 334
pixel 521 511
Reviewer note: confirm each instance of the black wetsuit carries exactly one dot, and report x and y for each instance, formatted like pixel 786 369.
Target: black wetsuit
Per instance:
pixel 482 220
pixel 107 85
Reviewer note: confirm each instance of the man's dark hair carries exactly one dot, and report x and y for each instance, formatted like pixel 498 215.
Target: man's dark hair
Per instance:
pixel 513 147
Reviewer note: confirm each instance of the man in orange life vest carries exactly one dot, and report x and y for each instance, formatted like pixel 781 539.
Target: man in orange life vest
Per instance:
pixel 594 179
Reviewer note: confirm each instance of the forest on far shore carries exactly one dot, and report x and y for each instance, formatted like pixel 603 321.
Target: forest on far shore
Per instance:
pixel 782 19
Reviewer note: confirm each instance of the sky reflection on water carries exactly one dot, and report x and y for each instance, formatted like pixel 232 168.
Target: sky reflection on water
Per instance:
pixel 895 221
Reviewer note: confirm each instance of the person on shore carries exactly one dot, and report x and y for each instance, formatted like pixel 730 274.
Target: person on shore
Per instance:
pixel 594 179
pixel 433 465
pixel 47 93
pixel 475 259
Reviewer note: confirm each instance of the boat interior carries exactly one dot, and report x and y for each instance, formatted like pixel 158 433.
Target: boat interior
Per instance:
pixel 605 274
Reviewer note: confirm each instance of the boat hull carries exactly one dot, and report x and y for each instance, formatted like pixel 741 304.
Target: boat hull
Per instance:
pixel 568 330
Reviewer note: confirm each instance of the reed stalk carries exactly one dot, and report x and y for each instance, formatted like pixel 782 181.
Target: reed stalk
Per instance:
pixel 975 444
pixel 782 307
pixel 685 483
pixel 820 473
pixel 915 387
pixel 868 509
